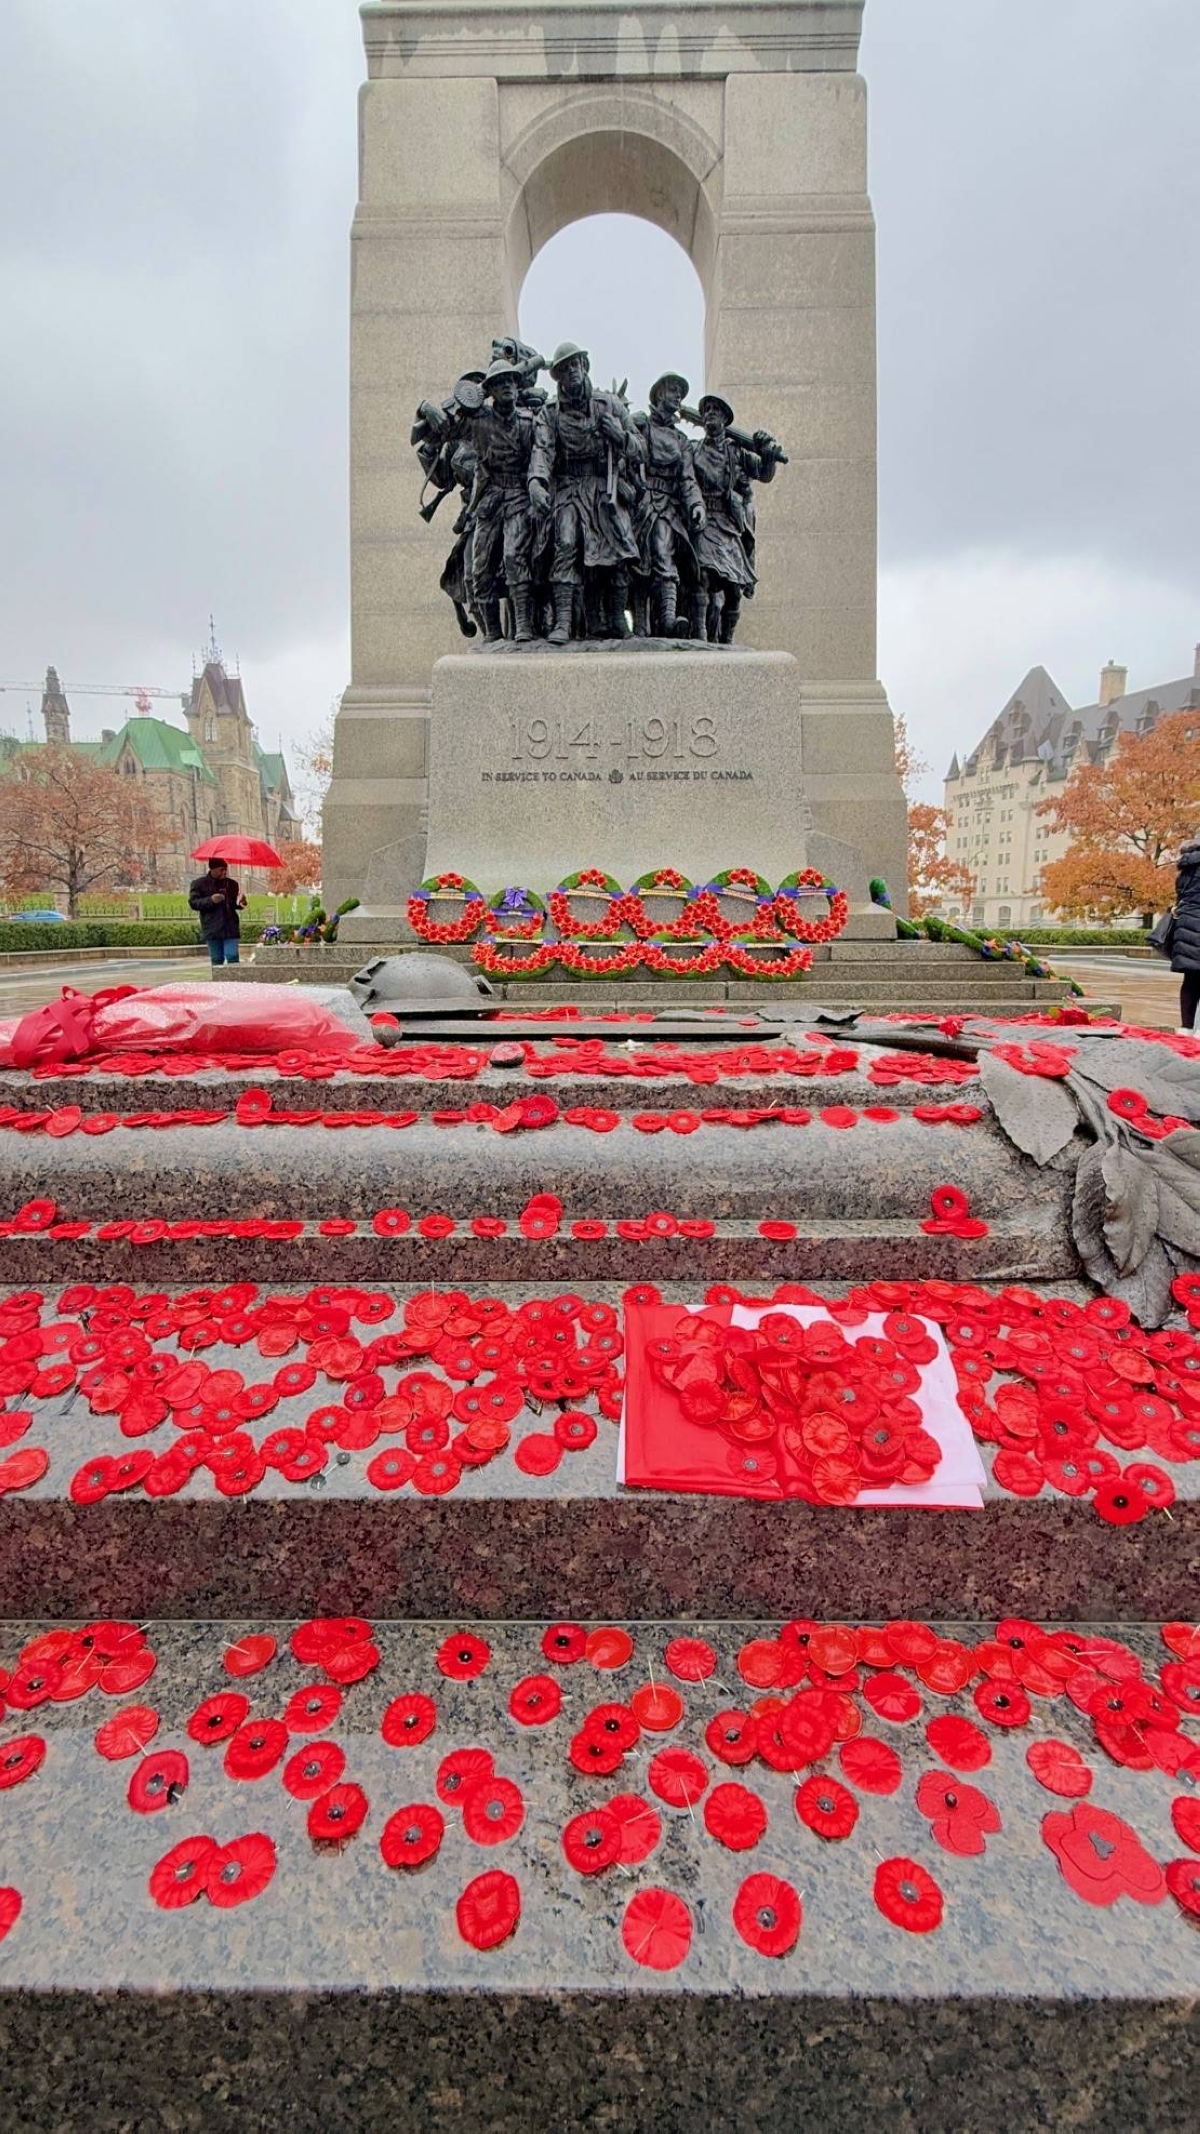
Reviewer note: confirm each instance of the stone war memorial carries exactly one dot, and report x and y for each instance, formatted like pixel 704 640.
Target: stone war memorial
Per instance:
pixel 599 1516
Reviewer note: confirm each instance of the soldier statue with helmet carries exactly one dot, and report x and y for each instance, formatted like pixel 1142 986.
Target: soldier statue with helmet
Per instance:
pixel 584 442
pixel 671 515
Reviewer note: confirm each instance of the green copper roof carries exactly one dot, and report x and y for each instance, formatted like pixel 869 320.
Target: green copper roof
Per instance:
pixel 158 747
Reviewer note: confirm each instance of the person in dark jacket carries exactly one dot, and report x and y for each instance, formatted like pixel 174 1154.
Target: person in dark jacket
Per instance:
pixel 217 899
pixel 1185 947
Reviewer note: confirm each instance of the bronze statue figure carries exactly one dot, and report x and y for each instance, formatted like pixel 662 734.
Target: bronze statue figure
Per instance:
pixel 571 504
pixel 582 441
pixel 671 514
pixel 726 463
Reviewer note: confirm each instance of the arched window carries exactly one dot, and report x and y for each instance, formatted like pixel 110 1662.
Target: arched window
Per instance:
pixel 1005 915
pixel 624 290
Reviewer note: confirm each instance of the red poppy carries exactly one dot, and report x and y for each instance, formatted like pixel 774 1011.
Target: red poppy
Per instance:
pixel 235 1873
pixel 575 1432
pixel 1001 1703
pixel 127 1733
pixel 19 1759
pixel 538 1454
pixel 314 1708
pixel 1100 1857
pixel 1182 1878
pixel 461 1770
pixel 657 1929
pixel 961 1818
pixel 256 1748
pixel 908 1895
pixel 767 1914
pixel 732 1814
pixel 1059 1768
pixel 180 1876
pixel 595 1754
pixel 158 1781
pixel 564 1643
pixel 733 1737
pixel 657 1707
pixel 678 1777
pixel 1185 1815
pixel 609 1648
pixel 535 1700
pixel 412 1835
pixel 249 1656
pixel 1127 1103
pixel 891 1697
pixel 640 1827
pixel 463 1656
pixel 827 1807
pixel 870 1765
pixel 592 1841
pixel 493 1810
pixel 408 1720
pixel 489 1909
pixel 690 1659
pixel 219 1717
pixel 313 1769
pixel 336 1815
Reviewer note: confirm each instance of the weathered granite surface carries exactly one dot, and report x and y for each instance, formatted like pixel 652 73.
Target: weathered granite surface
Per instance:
pixel 339 1995
pixel 338 1918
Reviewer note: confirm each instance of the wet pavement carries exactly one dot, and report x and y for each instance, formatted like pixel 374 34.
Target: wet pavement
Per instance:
pixel 30 987
pixel 1148 992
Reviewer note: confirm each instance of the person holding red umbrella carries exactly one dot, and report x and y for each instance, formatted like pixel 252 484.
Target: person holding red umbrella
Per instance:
pixel 217 899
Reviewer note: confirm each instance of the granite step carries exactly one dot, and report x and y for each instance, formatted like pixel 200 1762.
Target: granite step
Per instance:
pixel 344 1991
pixel 856 1199
pixel 506 1542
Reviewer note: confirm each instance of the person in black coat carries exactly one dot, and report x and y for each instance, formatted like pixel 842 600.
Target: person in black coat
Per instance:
pixel 1185 945
pixel 217 900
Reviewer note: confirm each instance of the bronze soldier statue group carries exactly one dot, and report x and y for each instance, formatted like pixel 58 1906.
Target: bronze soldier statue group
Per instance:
pixel 581 520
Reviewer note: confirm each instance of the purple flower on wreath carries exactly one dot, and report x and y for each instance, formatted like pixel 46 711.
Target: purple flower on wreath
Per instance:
pixel 515 904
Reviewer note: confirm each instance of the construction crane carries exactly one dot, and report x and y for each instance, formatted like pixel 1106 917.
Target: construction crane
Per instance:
pixel 140 695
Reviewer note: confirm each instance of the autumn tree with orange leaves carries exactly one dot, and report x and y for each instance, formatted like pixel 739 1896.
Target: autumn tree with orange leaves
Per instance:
pixel 67 824
pixel 1127 818
pixel 301 867
pixel 933 877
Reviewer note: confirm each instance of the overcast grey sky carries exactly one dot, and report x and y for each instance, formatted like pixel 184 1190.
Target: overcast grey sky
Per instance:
pixel 176 183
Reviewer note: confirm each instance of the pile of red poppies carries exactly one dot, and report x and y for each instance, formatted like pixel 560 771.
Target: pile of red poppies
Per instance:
pixel 836 1415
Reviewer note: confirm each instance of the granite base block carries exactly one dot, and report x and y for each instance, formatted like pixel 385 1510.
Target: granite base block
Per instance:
pixel 392 2063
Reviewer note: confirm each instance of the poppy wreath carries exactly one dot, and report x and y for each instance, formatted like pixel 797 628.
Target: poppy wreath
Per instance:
pixel 451 888
pixel 514 915
pixel 588 882
pixel 745 886
pixel 663 882
pixel 786 906
pixel 619 958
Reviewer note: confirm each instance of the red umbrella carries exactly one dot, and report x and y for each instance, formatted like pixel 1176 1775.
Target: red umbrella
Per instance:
pixel 241 851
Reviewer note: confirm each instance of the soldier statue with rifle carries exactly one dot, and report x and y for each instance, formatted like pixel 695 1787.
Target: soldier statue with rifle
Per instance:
pixel 725 464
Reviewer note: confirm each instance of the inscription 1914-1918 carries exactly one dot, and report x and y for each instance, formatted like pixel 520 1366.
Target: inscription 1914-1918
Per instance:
pixel 576 752
pixel 592 741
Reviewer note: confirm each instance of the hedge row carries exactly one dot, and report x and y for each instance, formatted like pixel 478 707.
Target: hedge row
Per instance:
pixel 1069 936
pixel 97 933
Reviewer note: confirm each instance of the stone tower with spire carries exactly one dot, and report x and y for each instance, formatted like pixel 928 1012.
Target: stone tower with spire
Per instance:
pixel 56 715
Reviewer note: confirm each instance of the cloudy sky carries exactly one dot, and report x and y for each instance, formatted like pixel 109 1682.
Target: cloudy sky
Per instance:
pixel 177 180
